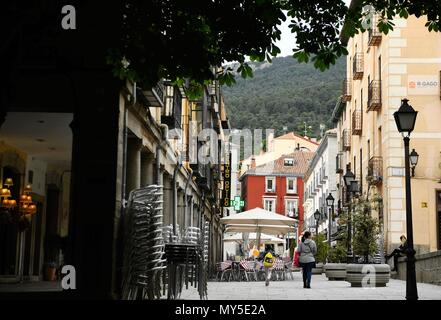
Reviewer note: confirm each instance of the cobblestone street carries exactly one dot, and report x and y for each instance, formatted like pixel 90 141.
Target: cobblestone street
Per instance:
pixel 322 289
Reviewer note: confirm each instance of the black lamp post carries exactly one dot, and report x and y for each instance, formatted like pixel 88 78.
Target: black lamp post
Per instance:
pixel 317 215
pixel 405 119
pixel 348 178
pixel 413 158
pixel 330 203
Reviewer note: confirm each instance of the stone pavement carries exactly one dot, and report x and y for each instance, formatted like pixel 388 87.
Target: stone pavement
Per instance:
pixel 322 289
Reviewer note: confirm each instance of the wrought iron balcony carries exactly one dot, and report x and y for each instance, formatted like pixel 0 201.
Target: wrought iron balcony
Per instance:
pixel 357 122
pixel 374 34
pixel 346 90
pixel 346 140
pixel 339 163
pixel 172 111
pixel 357 66
pixel 155 96
pixel 375 170
pixel 374 95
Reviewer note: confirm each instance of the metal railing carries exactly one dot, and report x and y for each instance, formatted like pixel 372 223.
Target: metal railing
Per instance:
pixel 375 170
pixel 374 95
pixel 374 35
pixel 339 163
pixel 346 90
pixel 346 140
pixel 357 122
pixel 357 66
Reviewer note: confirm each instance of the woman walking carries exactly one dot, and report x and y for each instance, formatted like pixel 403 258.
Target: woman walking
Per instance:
pixel 307 250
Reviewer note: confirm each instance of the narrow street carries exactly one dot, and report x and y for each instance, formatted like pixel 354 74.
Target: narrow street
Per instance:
pixel 322 289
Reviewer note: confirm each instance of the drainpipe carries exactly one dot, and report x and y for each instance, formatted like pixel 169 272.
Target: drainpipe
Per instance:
pixel 158 165
pixel 185 197
pixel 124 160
pixel 175 199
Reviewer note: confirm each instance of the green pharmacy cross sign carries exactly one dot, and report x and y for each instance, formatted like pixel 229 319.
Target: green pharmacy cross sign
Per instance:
pixel 237 203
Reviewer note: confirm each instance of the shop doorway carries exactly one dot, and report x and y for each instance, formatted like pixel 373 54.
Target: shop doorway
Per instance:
pixel 8 229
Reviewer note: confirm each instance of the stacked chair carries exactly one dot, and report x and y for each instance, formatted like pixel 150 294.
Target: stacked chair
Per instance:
pixel 144 261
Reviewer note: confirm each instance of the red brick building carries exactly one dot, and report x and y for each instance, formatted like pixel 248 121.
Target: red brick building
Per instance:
pixel 278 185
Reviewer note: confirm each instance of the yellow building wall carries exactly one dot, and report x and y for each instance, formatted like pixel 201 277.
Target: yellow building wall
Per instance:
pixel 408 53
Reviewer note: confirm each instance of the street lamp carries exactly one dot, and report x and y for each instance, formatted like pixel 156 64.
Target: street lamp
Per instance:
pixel 348 178
pixel 413 158
pixel 405 119
pixel 317 215
pixel 330 203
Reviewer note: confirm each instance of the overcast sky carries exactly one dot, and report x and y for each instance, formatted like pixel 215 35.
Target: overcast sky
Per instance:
pixel 288 39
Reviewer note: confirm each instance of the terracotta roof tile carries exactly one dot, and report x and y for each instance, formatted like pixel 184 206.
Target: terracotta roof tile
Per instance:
pixel 300 166
pixel 292 136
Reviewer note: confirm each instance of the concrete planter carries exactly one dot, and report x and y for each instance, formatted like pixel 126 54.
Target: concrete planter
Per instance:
pixel 335 271
pixel 318 269
pixel 368 275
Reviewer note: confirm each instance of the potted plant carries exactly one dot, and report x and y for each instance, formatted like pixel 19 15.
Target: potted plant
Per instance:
pixel 322 253
pixel 50 271
pixel 335 268
pixel 367 231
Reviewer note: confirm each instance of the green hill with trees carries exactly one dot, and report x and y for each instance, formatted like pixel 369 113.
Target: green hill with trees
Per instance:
pixel 286 94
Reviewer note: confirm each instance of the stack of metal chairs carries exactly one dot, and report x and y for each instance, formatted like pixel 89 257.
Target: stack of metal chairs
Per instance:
pixel 144 246
pixel 185 263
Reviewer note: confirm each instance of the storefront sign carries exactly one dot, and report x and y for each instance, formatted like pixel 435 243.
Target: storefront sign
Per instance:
pixel 226 175
pixel 423 85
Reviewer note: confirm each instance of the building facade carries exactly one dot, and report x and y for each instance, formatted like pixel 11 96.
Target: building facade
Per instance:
pixel 279 146
pixel 320 181
pixel 381 71
pixel 278 185
pixel 84 140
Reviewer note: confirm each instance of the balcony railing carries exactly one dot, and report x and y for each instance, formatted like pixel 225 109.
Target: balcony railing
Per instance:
pixel 172 111
pixel 374 34
pixel 375 170
pixel 339 163
pixel 357 66
pixel 346 140
pixel 155 96
pixel 374 95
pixel 346 90
pixel 357 122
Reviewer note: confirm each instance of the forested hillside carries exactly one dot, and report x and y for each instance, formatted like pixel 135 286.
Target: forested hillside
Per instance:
pixel 285 94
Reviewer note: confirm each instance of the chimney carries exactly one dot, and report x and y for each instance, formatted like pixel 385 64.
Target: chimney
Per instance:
pixel 253 163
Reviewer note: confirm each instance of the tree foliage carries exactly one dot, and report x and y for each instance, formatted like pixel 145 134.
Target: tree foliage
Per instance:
pixel 178 40
pixel 287 94
pixel 367 229
pixel 322 247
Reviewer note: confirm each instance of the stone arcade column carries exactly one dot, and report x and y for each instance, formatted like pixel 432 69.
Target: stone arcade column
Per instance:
pixel 147 169
pixel 133 164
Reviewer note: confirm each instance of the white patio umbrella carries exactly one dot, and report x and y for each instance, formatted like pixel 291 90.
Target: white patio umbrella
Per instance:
pixel 232 237
pixel 259 220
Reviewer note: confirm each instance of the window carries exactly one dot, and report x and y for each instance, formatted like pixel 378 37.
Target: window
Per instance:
pixel 288 162
pixel 270 184
pixel 291 185
pixel 291 209
pixel 269 204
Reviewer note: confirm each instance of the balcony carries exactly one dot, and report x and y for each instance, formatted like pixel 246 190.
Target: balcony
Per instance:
pixel 172 111
pixel 346 90
pixel 346 140
pixel 155 96
pixel 357 122
pixel 339 163
pixel 374 95
pixel 375 170
pixel 374 35
pixel 357 66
